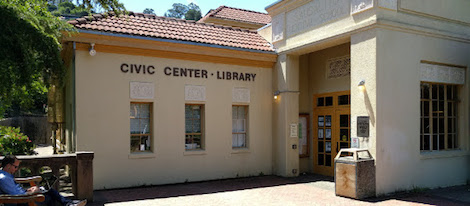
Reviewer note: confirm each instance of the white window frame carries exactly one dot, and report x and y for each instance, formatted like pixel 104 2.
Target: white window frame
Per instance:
pixel 190 143
pixel 236 125
pixel 145 145
pixel 439 130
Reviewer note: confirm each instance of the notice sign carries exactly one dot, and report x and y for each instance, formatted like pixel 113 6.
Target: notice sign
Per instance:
pixel 363 126
pixel 294 130
pixel 354 142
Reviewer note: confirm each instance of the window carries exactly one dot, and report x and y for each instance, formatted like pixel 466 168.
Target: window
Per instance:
pixel 194 127
pixel 239 123
pixel 141 131
pixel 439 104
pixel 304 142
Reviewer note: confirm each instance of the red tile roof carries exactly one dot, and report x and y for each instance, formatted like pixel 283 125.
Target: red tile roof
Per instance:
pixel 230 13
pixel 175 29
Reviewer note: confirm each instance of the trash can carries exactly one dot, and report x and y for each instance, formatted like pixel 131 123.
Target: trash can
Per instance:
pixel 355 175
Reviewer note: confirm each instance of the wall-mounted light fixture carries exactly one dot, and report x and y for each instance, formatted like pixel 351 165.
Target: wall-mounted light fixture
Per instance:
pixel 277 93
pixel 92 49
pixel 362 85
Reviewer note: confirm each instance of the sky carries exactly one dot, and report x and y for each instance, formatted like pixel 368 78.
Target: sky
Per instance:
pixel 161 6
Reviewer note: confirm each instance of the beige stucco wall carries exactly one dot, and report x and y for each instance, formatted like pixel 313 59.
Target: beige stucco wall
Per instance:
pixel 266 32
pixel 363 67
pixel 285 113
pixel 318 81
pixel 102 119
pixel 389 62
pixel 456 10
pixel 400 164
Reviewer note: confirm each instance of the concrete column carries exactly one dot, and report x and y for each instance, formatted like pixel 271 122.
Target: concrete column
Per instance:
pixel 285 116
pixel 84 175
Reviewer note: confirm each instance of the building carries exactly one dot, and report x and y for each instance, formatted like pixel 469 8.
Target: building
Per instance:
pixel 410 57
pixel 156 98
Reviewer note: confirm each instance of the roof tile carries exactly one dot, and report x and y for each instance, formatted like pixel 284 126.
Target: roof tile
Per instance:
pixel 175 29
pixel 236 14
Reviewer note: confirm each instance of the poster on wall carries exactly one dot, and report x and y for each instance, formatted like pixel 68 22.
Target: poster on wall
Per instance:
pixel 320 133
pixel 293 130
pixel 354 142
pixel 320 121
pixel 328 146
pixel 327 121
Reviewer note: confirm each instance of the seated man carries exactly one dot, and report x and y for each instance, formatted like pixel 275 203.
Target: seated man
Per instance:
pixel 8 185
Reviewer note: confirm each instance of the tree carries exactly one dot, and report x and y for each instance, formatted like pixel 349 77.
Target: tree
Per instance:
pixel 149 11
pixel 30 48
pixel 189 12
pixel 69 9
pixel 193 13
pixel 178 11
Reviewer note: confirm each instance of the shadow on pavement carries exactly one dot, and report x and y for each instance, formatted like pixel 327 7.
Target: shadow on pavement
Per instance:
pixel 452 196
pixel 102 197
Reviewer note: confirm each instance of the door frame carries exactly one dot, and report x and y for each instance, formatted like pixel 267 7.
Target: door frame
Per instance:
pixel 334 110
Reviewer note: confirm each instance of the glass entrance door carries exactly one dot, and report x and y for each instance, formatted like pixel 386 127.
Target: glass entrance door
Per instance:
pixel 331 123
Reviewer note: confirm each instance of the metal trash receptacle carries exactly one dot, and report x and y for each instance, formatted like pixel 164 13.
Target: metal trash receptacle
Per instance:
pixel 355 175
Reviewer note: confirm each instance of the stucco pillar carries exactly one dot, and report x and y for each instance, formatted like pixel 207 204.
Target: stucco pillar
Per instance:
pixel 364 102
pixel 286 116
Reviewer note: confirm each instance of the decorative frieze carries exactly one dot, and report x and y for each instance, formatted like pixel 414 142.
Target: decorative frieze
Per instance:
pixel 361 5
pixel 314 14
pixel 442 74
pixel 195 93
pixel 142 90
pixel 338 67
pixel 241 95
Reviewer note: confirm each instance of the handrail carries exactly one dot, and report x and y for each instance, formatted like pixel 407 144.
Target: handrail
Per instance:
pixel 81 164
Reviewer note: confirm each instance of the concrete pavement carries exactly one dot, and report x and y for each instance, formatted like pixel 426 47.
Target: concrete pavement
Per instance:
pixel 269 190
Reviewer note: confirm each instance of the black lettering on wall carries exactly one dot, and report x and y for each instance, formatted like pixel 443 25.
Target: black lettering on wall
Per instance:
pixel 124 67
pixel 204 74
pixel 167 71
pixel 150 69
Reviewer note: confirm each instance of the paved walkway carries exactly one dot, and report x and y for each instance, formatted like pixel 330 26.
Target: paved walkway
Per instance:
pixel 268 190
pixel 43 149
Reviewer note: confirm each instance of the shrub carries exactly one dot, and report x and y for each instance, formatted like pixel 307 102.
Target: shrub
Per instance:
pixel 13 142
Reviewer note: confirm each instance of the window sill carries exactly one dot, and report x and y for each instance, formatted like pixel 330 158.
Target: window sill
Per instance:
pixel 194 152
pixel 240 150
pixel 142 155
pixel 443 154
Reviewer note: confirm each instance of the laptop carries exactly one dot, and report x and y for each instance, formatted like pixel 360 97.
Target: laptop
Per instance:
pixel 47 182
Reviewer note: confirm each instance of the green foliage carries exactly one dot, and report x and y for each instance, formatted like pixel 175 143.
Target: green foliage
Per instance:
pixel 149 11
pixel 67 8
pixel 189 12
pixel 178 11
pixel 194 12
pixel 29 99
pixel 25 172
pixel 12 141
pixel 30 47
